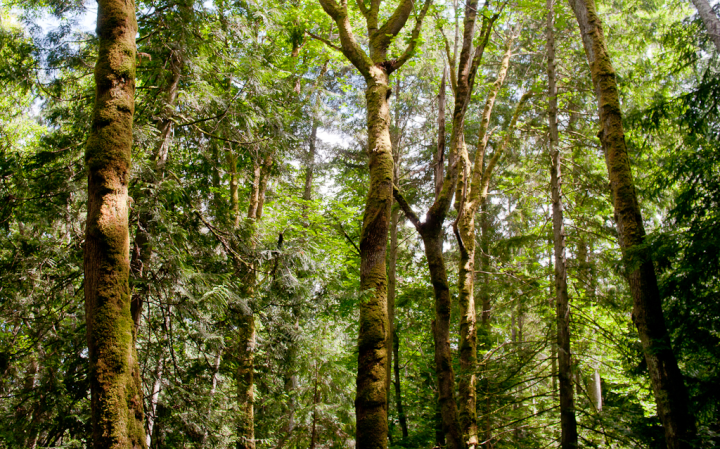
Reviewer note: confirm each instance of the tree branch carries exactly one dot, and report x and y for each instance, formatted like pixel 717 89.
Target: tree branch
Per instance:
pixel 323 40
pixel 393 26
pixel 409 213
pixel 410 50
pixel 348 45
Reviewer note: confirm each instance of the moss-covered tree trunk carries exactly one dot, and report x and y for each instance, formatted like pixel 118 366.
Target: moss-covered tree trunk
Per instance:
pixel 376 67
pixel 466 202
pixel 568 424
pixel 371 398
pixel 116 395
pixel 665 376
pixel 244 317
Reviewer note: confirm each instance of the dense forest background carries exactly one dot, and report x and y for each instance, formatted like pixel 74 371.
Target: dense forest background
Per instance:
pixel 250 219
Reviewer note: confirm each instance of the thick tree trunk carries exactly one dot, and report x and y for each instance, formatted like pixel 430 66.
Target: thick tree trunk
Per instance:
pixel 665 376
pixel 371 398
pixel 710 20
pixel 116 396
pixel 441 334
pixel 568 424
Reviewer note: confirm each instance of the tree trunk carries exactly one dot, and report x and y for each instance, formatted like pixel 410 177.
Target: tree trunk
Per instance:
pixel 568 424
pixel 460 428
pixel 441 334
pixel 374 65
pixel 398 393
pixel 665 376
pixel 440 151
pixel 154 396
pixel 710 20
pixel 116 397
pixel 245 374
pixel 596 391
pixel 466 204
pixel 371 398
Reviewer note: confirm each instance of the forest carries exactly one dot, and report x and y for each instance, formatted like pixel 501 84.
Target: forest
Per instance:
pixel 370 224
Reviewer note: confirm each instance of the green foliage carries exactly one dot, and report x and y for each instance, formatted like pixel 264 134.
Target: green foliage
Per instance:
pixel 241 96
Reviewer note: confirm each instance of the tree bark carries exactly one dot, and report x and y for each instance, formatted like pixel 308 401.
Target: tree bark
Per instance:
pixel 710 20
pixel 465 233
pixel 440 151
pixel 460 428
pixel 371 397
pixel 568 424
pixel 398 391
pixel 116 397
pixel 245 319
pixel 665 376
pixel 154 396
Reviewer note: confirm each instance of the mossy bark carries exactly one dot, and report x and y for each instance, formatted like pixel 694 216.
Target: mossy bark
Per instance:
pixel 374 65
pixel 371 398
pixel 244 318
pixel 665 376
pixel 116 396
pixel 467 200
pixel 460 427
pixel 568 424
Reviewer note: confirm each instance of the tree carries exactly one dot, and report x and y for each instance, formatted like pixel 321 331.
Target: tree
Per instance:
pixel 376 68
pixel 569 437
pixel 117 403
pixel 666 378
pixel 710 20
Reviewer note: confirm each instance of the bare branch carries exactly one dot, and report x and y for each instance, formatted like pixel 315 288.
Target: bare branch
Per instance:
pixel 409 213
pixel 323 40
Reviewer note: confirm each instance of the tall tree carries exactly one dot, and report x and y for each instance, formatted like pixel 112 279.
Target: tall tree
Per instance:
pixel 471 190
pixel 460 428
pixel 568 425
pixel 117 400
pixel 376 68
pixel 665 376
pixel 244 317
